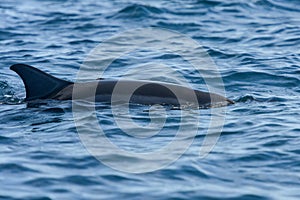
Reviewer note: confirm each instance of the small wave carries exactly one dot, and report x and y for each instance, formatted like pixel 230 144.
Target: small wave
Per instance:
pixel 136 11
pixel 15 168
pixel 251 98
pixel 279 5
pixel 6 140
pixel 208 2
pixel 42 182
pixel 47 121
pixel 261 77
pixel 188 26
pixel 246 98
pixel 85 41
pixel 81 180
pixel 13 34
pixel 220 53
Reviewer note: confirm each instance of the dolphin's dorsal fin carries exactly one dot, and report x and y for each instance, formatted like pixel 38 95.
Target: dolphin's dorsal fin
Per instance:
pixel 38 84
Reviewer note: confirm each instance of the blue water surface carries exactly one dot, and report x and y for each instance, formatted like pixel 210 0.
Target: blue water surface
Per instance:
pixel 255 44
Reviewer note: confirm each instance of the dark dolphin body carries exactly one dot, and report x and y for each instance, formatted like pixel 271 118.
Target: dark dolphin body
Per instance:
pixel 40 85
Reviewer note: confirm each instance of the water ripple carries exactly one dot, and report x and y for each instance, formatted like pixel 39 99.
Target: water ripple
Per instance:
pixel 255 44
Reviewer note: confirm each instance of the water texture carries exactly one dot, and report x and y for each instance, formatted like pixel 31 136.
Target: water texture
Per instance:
pixel 255 44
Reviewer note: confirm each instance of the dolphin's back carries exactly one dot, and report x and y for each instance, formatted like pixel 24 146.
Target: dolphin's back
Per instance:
pixel 38 84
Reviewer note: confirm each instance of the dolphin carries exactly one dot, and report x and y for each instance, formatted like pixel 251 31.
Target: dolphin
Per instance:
pixel 40 86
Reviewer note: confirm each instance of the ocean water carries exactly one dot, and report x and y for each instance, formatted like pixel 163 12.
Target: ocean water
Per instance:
pixel 254 43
